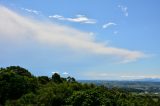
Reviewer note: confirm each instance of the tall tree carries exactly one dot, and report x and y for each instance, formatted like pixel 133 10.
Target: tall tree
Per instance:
pixel 56 78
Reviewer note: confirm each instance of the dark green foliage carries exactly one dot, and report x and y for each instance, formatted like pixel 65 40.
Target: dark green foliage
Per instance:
pixel 85 98
pixel 19 88
pixel 43 79
pixel 71 79
pixel 19 70
pixel 56 78
pixel 14 84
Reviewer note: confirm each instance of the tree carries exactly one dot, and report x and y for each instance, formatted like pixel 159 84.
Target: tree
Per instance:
pixel 56 78
pixel 13 85
pixel 43 79
pixel 71 79
pixel 89 97
pixel 18 88
pixel 19 70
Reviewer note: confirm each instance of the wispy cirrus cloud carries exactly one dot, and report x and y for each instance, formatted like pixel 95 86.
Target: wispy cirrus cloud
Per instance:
pixel 31 11
pixel 78 19
pixel 19 28
pixel 124 9
pixel 109 24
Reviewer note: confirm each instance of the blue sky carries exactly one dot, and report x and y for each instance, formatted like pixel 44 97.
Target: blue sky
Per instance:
pixel 107 39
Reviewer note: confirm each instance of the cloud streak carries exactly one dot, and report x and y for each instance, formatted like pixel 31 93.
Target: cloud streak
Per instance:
pixel 19 28
pixel 109 24
pixel 78 19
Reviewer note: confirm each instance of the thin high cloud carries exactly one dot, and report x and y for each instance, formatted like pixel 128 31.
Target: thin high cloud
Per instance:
pixel 108 76
pixel 21 29
pixel 78 19
pixel 31 11
pixel 109 24
pixel 124 9
pixel 140 77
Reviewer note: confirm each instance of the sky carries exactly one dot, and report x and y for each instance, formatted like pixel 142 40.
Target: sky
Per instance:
pixel 86 39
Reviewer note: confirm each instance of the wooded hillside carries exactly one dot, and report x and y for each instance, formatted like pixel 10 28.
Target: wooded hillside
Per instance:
pixel 18 87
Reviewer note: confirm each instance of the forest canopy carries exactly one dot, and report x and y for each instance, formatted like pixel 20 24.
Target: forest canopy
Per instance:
pixel 18 87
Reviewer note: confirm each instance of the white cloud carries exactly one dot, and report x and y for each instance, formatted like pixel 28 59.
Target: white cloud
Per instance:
pixel 31 11
pixel 21 29
pixel 57 17
pixel 124 9
pixel 108 25
pixel 55 72
pixel 78 19
pixel 65 73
